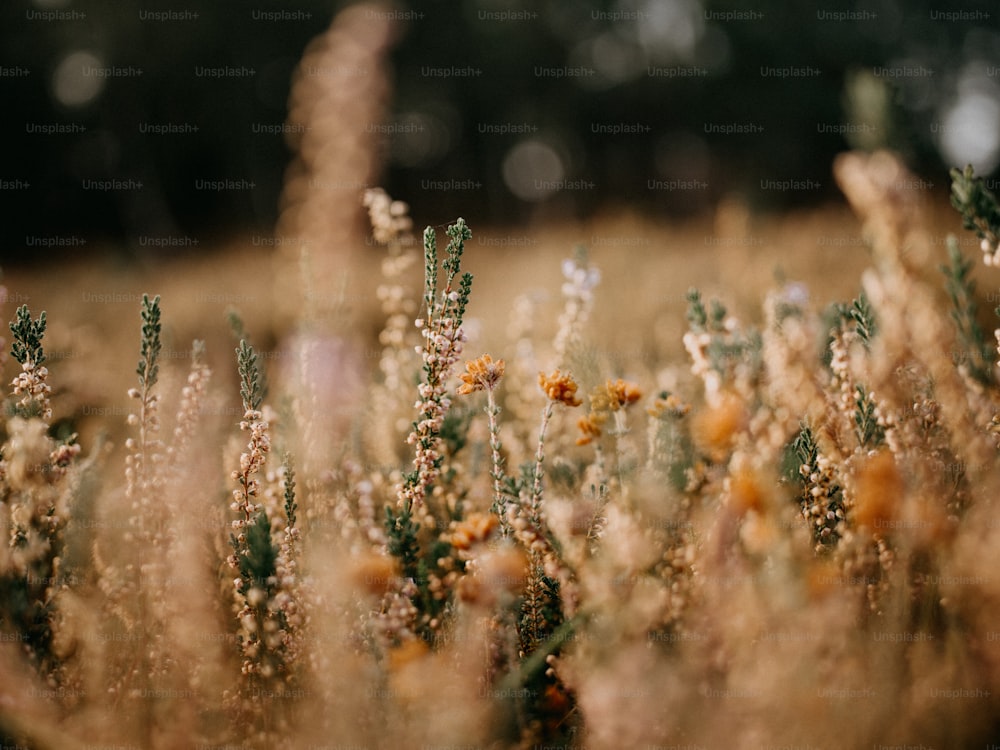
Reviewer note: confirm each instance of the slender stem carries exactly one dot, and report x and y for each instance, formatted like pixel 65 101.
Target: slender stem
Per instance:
pixel 621 429
pixel 499 505
pixel 600 490
pixel 536 491
pixel 602 477
pixel 532 619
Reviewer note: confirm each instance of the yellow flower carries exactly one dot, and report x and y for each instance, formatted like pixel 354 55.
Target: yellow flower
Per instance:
pixel 559 387
pixel 483 375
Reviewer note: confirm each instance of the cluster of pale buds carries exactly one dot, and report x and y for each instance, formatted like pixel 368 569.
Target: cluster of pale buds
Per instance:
pixel 390 219
pixel 991 252
pixel 30 383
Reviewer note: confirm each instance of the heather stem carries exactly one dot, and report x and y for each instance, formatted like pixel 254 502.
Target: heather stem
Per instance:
pixel 536 491
pixel 621 429
pixel 499 504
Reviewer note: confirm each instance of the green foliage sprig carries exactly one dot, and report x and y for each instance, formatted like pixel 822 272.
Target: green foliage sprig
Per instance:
pixel 869 431
pixel 726 349
pixel 148 369
pixel 961 290
pixel 697 316
pixel 251 381
pixel 821 500
pixel 863 315
pixel 30 383
pixel 291 505
pixel 27 344
pixel 977 205
pixel 257 554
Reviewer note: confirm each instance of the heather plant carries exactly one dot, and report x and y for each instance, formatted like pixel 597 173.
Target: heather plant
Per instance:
pixel 148 676
pixel 264 556
pixel 38 489
pixel 422 503
pixel 27 350
pixel 979 209
pixel 391 227
pixel 143 464
pixel 140 595
pixel 976 357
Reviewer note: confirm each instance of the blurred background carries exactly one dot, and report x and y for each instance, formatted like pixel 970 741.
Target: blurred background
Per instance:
pixel 161 127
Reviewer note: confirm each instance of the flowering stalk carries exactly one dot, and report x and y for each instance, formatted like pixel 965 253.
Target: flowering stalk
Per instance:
pixel 252 461
pixel 821 501
pixel 26 348
pixel 391 227
pixel 286 601
pixel 254 553
pixel 142 483
pixel 540 611
pixel 140 464
pixel 721 354
pixel 558 388
pixel 979 209
pixel 443 336
pixel 34 505
pixel 578 290
pixel 443 341
pixel 484 374
pixel 975 360
pixel 666 446
pixel 266 587
pixel 390 219
pixel 605 400
pixel 192 397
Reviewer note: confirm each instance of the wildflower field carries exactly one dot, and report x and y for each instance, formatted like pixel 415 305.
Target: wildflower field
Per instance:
pixel 617 482
pixel 590 506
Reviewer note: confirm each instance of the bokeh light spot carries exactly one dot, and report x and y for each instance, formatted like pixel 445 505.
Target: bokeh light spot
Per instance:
pixel 78 79
pixel 970 127
pixel 532 170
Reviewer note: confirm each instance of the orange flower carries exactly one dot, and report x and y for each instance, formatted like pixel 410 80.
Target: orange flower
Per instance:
pixel 716 428
pixel 500 573
pixel 611 396
pixel 878 493
pixel 668 404
pixel 746 492
pixel 590 426
pixel 374 573
pixel 483 375
pixel 559 387
pixel 476 527
pixel 407 653
pixel 622 394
